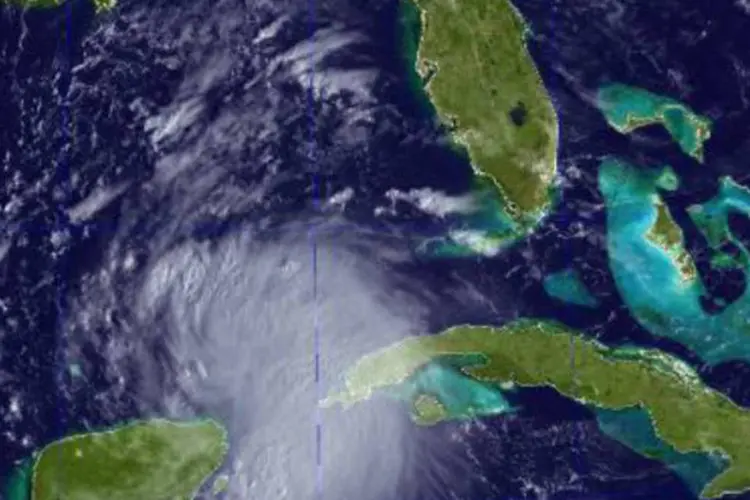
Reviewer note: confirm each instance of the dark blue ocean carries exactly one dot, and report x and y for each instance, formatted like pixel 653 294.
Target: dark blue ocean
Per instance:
pixel 697 52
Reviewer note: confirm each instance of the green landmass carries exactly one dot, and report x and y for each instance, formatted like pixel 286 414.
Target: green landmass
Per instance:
pixel 650 280
pixel 633 428
pixel 666 234
pixel 684 412
pixel 429 410
pixel 712 219
pixel 485 231
pixel 649 211
pixel 220 484
pixel 485 87
pixel 100 5
pixel 627 108
pixel 104 4
pixel 35 4
pixel 155 459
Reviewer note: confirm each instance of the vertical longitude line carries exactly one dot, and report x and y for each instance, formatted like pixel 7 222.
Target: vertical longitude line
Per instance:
pixel 318 425
pixel 62 225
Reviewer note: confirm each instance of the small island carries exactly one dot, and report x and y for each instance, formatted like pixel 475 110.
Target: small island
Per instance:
pixel 653 271
pixel 629 108
pixel 483 83
pixel 440 391
pixel 157 459
pixel 685 414
pixel 712 219
pixel 667 235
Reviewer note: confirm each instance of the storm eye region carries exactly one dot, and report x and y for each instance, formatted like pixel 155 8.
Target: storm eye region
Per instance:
pixel 258 331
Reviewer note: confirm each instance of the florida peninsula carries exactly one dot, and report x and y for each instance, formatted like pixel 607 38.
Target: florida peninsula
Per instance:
pixel 684 413
pixel 486 89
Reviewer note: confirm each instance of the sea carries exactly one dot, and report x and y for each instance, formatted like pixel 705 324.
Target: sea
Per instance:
pixel 375 135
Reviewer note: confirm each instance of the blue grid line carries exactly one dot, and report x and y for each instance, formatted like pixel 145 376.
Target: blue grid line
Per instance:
pixel 314 250
pixel 63 224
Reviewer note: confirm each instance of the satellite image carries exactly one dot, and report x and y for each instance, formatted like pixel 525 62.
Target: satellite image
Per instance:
pixel 374 250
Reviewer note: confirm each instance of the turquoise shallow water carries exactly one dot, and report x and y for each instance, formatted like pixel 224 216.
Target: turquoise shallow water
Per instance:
pixel 461 396
pixel 566 286
pixel 487 230
pixel 633 428
pixel 622 104
pixel 650 283
pixel 712 218
pixel 18 486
